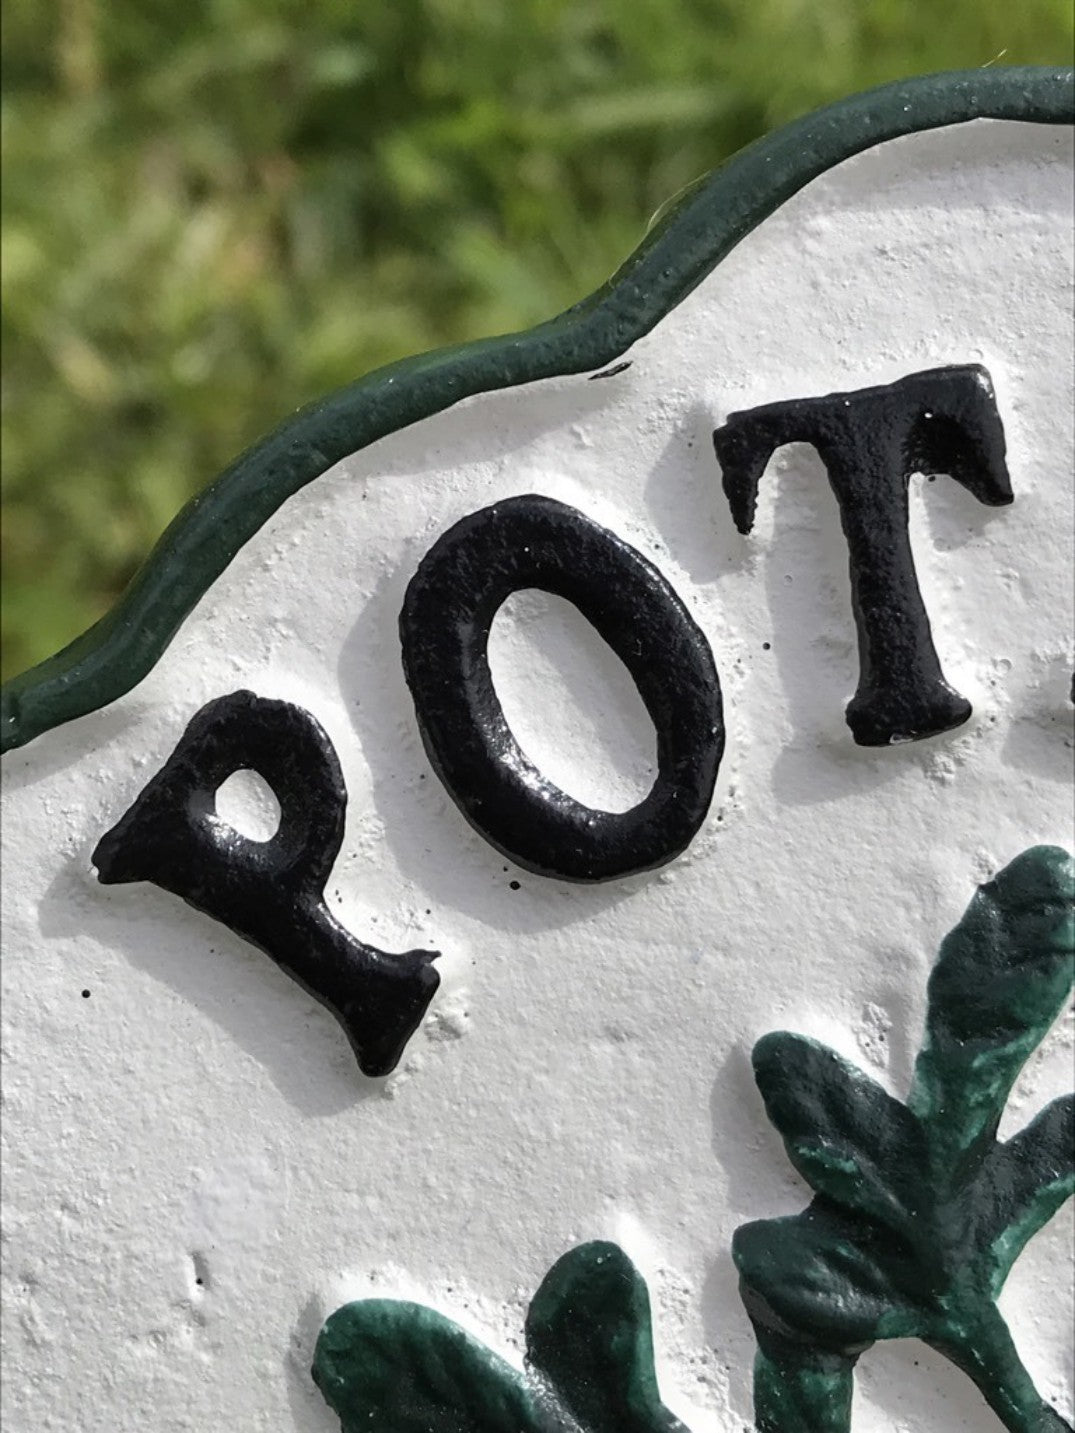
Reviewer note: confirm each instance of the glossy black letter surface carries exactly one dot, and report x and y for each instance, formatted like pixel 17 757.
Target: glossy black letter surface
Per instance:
pixel 271 892
pixel 536 542
pixel 944 420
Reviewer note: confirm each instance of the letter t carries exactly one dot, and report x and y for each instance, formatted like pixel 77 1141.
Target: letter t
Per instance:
pixel 943 420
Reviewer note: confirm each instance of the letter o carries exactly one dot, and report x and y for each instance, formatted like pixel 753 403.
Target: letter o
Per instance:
pixel 447 614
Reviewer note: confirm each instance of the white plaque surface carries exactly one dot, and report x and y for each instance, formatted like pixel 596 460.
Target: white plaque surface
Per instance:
pixel 197 1174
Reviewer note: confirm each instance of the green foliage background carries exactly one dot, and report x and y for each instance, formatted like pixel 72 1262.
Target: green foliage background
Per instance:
pixel 216 210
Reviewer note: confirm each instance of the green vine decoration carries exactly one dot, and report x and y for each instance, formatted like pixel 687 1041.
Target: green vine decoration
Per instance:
pixel 919 1212
pixel 918 1217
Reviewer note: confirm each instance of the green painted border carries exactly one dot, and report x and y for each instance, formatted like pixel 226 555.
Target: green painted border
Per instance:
pixel 692 238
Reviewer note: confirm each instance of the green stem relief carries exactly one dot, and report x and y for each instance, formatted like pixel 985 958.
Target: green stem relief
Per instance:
pixel 985 1352
pixel 802 1392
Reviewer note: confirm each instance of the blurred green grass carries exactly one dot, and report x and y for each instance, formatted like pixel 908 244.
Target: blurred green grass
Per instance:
pixel 215 211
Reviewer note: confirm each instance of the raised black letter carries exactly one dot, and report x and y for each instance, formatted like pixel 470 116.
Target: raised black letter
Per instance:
pixel 943 420
pixel 271 892
pixel 444 627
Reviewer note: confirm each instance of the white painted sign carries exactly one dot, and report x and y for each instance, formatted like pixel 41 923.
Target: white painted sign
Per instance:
pixel 197 1174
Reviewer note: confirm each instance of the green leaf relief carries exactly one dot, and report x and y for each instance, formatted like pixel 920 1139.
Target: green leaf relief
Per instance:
pixel 1032 1175
pixel 919 1212
pixel 383 1365
pixel 1000 981
pixel 589 1335
pixel 392 1367
pixel 843 1132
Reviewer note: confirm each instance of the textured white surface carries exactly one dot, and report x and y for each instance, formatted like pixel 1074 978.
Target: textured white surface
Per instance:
pixel 196 1173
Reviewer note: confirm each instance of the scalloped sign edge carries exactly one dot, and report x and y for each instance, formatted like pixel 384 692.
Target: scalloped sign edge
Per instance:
pixel 691 239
